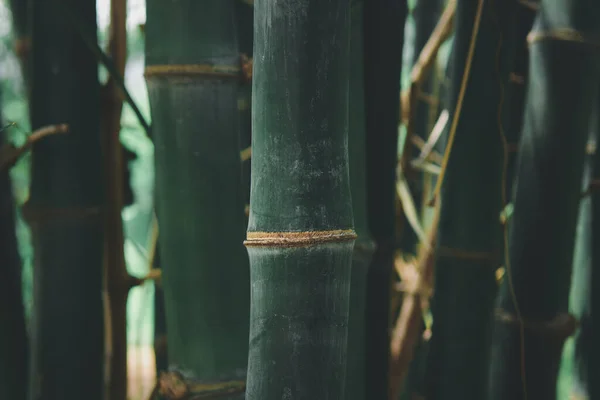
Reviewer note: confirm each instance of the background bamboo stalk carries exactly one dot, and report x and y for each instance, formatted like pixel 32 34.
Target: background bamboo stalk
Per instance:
pixel 468 249
pixel 356 368
pixel 118 281
pixel 13 335
pixel 65 207
pixel 383 41
pixel 532 320
pixel 300 236
pixel 193 75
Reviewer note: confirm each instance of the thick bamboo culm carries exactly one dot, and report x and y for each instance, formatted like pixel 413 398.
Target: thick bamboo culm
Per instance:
pixel 300 234
pixel 469 234
pixel 193 74
pixel 364 246
pixel 13 337
pixel 532 321
pixel 65 207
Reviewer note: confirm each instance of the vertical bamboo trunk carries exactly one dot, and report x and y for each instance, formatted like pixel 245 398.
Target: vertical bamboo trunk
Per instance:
pixel 160 321
pixel 588 365
pixel 193 74
pixel 244 22
pixel 13 337
pixel 532 320
pixel 65 207
pixel 383 41
pixel 300 234
pixel 356 368
pixel 469 246
pixel 580 296
pixel 516 87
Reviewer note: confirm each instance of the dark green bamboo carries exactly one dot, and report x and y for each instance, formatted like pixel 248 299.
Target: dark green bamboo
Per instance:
pixel 300 234
pixel 65 207
pixel 580 296
pixel 383 41
pixel 160 322
pixel 589 351
pixel 469 245
pixel 193 75
pixel 13 337
pixel 356 368
pixel 515 91
pixel 244 22
pixel 546 201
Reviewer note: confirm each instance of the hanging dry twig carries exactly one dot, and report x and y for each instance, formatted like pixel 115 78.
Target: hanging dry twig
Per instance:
pixel 10 154
pixel 418 281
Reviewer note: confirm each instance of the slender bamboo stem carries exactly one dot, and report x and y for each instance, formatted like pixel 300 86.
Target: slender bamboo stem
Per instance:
pixel 532 322
pixel 300 234
pixel 13 336
pixel 65 207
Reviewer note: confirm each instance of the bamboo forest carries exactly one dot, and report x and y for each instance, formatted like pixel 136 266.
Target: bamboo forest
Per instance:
pixel 299 199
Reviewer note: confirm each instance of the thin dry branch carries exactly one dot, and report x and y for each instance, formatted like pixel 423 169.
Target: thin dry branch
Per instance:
pixel 418 279
pixel 10 154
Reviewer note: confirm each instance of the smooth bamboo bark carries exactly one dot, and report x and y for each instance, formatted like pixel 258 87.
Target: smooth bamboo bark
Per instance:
pixel 193 74
pixel 383 41
pixel 469 246
pixel 13 336
pixel 160 322
pixel 245 22
pixel 300 234
pixel 590 351
pixel 356 368
pixel 517 84
pixel 65 207
pixel 581 287
pixel 534 295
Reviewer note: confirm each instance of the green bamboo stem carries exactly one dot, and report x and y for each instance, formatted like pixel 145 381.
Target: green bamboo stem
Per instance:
pixel 13 337
pixel 532 321
pixel 580 297
pixel 65 207
pixel 193 75
pixel 300 233
pixel 356 368
pixel 590 351
pixel 468 250
pixel 383 41
pixel 244 22
pixel 517 84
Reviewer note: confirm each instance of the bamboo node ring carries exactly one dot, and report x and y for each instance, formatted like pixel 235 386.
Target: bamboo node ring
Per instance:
pixel 298 239
pixel 188 70
pixel 561 34
pixel 560 327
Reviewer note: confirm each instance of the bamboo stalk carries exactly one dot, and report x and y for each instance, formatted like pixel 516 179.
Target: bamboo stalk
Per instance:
pixel 193 75
pixel 118 281
pixel 383 43
pixel 13 336
pixel 10 154
pixel 300 234
pixel 65 207
pixel 356 367
pixel 532 322
pixel 468 251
